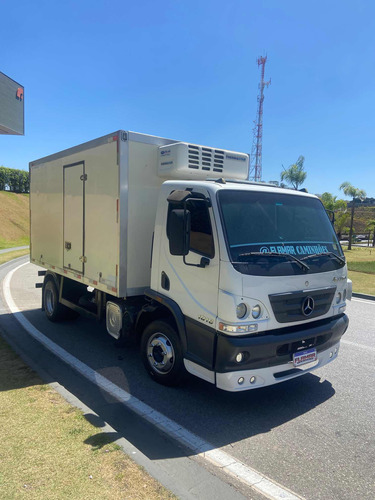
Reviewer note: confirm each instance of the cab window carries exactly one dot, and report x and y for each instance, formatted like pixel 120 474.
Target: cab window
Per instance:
pixel 201 238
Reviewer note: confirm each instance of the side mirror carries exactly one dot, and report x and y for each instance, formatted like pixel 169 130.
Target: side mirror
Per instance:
pixel 179 224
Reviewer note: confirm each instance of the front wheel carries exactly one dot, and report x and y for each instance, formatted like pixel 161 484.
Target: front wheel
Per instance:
pixel 162 354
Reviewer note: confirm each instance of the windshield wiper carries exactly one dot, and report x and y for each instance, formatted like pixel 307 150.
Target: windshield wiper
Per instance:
pixel 328 254
pixel 302 265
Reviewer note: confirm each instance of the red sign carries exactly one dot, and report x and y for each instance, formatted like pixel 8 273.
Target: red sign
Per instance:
pixel 19 94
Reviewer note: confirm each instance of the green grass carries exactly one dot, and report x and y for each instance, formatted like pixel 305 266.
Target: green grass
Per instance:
pixel 361 269
pixel 15 220
pixel 363 282
pixel 21 242
pixel 363 254
pixel 4 257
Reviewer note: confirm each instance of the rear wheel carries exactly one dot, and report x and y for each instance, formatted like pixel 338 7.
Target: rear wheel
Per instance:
pixel 162 354
pixel 54 310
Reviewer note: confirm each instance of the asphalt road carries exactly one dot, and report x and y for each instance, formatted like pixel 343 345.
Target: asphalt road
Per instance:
pixel 314 435
pixel 14 249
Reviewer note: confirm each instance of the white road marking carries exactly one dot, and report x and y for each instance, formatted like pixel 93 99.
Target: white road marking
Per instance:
pixel 219 458
pixel 355 344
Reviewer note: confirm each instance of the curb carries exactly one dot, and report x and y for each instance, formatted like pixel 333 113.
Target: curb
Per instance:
pixel 363 296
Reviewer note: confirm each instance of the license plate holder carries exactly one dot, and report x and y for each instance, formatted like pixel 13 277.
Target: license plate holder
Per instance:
pixel 303 357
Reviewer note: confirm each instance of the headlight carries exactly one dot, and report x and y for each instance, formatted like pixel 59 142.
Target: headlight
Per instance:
pixel 256 311
pixel 241 310
pixel 226 328
pixel 344 295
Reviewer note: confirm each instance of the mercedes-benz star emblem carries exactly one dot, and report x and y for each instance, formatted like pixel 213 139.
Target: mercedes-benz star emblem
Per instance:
pixel 308 306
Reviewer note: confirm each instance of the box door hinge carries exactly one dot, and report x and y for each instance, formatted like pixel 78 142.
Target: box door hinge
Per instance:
pixel 83 177
pixel 83 259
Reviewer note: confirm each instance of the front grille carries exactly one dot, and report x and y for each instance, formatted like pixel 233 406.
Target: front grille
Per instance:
pixel 288 307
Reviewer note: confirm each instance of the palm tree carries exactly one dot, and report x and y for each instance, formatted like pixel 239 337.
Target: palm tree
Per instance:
pixel 339 207
pixel 353 192
pixel 371 226
pixel 295 175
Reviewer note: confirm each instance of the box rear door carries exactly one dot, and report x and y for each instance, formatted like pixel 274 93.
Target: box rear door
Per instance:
pixel 74 176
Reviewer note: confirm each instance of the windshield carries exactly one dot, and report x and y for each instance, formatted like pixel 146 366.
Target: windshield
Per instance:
pixel 271 233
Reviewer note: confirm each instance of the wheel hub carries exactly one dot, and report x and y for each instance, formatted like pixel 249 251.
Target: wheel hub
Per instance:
pixel 49 301
pixel 160 353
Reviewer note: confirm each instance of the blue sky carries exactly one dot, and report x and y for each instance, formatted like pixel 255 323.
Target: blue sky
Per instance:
pixel 187 70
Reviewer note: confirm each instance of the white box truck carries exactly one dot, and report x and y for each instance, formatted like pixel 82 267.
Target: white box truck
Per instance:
pixel 241 284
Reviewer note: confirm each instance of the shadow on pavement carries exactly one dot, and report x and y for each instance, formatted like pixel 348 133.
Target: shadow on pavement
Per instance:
pixel 218 417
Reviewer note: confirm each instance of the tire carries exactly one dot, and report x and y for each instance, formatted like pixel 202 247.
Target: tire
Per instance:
pixel 162 354
pixel 53 309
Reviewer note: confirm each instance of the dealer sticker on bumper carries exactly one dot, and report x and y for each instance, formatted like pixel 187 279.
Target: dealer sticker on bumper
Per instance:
pixel 303 357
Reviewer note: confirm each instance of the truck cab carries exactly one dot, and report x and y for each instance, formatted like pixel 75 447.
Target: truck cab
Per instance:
pixel 256 277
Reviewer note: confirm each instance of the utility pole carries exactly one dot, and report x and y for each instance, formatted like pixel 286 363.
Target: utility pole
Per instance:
pixel 255 171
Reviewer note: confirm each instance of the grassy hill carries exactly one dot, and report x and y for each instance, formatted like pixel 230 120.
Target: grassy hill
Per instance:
pixel 14 219
pixel 361 216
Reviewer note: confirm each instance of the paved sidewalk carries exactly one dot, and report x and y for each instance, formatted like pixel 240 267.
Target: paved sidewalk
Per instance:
pixel 5 250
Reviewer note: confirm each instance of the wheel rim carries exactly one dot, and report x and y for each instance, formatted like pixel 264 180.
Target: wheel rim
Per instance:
pixel 160 353
pixel 49 301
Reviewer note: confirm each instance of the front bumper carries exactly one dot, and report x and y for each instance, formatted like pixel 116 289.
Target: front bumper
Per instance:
pixel 267 356
pixel 262 377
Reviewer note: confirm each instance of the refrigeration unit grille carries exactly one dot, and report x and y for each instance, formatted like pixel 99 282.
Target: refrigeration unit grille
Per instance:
pixel 208 159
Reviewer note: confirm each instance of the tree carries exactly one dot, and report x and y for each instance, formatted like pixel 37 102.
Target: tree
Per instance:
pixel 3 178
pixel 355 193
pixel 295 174
pixel 339 207
pixel 26 181
pixel 371 226
pixel 14 180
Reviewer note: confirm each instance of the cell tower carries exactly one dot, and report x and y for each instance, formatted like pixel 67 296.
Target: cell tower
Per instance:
pixel 255 171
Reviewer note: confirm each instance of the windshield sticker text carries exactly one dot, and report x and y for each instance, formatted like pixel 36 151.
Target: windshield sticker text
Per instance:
pixel 295 249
